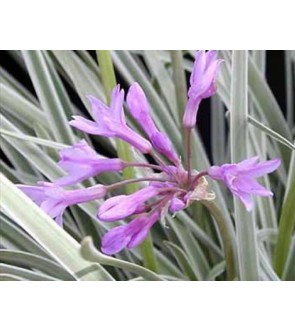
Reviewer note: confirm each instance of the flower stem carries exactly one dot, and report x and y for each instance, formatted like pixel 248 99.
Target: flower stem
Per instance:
pixel 188 148
pixel 143 165
pixel 124 152
pixel 127 182
pixel 227 238
pixel 196 178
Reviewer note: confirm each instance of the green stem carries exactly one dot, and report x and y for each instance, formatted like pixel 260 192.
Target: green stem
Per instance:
pixel 227 238
pixel 136 180
pixel 124 152
pixel 188 149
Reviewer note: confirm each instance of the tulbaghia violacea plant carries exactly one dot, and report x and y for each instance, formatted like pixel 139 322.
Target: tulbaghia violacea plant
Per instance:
pixel 172 187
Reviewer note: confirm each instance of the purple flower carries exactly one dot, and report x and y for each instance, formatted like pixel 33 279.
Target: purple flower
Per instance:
pixel 240 178
pixel 203 84
pixel 54 200
pixel 81 162
pixel 110 121
pixel 129 235
pixel 116 209
pixel 140 110
pixel 172 189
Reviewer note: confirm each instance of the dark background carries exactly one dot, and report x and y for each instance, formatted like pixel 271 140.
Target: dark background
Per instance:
pixel 275 74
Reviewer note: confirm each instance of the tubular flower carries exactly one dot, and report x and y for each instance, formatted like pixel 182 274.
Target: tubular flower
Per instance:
pixel 202 84
pixel 110 121
pixel 240 178
pixel 129 235
pixel 82 162
pixel 172 189
pixel 140 110
pixel 54 200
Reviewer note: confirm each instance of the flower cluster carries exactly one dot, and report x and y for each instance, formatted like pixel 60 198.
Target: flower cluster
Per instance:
pixel 172 188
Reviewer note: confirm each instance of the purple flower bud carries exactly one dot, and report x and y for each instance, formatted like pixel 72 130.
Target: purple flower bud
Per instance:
pixel 176 205
pixel 140 110
pixel 130 235
pixel 113 201
pixel 240 178
pixel 119 209
pixel 203 84
pixel 81 162
pixel 110 121
pixel 54 200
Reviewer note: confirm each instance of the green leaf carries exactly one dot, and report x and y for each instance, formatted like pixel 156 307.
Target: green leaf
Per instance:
pixel 286 223
pixel 271 132
pixel 245 226
pixel 89 252
pixel 182 259
pixel 51 94
pixel 36 140
pixel 24 273
pixel 21 108
pixel 32 261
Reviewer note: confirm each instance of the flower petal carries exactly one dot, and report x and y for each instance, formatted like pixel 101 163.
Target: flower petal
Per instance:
pixel 35 193
pixel 176 205
pixel 87 126
pixel 115 240
pixel 139 228
pixel 126 206
pixel 246 200
pixel 263 168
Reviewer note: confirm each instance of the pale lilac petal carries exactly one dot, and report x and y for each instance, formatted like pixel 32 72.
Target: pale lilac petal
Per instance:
pixel 139 228
pixel 176 205
pixel 81 162
pixel 246 200
pixel 139 237
pixel 251 186
pixel 131 137
pixel 53 207
pixel 203 84
pixel 110 203
pixel 248 162
pixel 87 126
pixel 140 110
pixel 263 168
pixel 211 56
pixel 99 112
pixel 76 174
pixel 216 172
pixel 199 67
pixel 80 172
pixel 78 196
pixel 35 193
pixel 209 86
pixel 127 205
pixel 80 152
pixel 117 100
pixel 137 103
pixel 190 113
pixel 115 240
pixel 240 178
pixel 163 144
